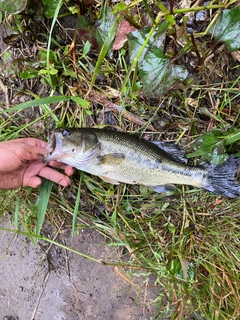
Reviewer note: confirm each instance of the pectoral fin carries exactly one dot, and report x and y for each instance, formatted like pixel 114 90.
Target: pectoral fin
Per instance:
pixel 108 180
pixel 113 159
pixel 163 188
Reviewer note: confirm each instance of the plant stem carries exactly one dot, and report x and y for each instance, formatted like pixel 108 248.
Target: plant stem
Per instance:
pixel 208 7
pixel 140 52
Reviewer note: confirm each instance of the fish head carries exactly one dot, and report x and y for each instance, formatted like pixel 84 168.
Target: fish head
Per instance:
pixel 73 147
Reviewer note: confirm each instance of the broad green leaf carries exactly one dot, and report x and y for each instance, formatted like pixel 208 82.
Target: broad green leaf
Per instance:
pixel 176 268
pixel 182 269
pixel 81 102
pixel 227 28
pixel 157 73
pixel 28 73
pixel 50 7
pixel 88 32
pixel 212 145
pixel 96 33
pixel 13 6
pixel 119 8
pixel 211 148
pixel 53 71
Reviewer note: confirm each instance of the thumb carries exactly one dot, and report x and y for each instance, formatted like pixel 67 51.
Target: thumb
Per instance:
pixel 33 153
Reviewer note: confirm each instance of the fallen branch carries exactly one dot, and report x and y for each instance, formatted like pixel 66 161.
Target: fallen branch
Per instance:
pixel 119 110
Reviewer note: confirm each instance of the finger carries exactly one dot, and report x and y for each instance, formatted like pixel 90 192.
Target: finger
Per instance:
pixel 34 182
pixel 68 169
pixel 56 164
pixel 32 153
pixel 54 176
pixel 29 149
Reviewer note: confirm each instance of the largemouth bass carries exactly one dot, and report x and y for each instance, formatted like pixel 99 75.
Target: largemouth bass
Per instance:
pixel 120 157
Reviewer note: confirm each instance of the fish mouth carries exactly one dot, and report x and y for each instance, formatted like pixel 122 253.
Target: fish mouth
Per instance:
pixel 54 143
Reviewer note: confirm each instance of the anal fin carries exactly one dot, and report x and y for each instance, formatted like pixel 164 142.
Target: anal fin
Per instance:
pixel 163 188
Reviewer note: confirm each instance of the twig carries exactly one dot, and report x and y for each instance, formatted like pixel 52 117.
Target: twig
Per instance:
pixel 119 110
pixel 5 91
pixel 40 294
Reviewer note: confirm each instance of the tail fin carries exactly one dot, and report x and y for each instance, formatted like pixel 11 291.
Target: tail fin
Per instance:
pixel 222 179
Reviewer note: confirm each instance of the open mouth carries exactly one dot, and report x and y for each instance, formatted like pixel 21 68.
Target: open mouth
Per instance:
pixel 51 146
pixel 51 142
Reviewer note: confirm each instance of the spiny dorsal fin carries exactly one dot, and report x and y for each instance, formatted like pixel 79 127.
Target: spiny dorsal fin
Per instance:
pixel 173 150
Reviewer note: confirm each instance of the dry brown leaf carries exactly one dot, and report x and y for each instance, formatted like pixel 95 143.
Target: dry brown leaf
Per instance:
pixel 124 28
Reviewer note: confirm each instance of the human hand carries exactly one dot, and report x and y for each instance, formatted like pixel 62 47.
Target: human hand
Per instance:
pixel 21 165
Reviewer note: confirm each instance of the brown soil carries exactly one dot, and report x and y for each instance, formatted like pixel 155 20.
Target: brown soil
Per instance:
pixel 42 284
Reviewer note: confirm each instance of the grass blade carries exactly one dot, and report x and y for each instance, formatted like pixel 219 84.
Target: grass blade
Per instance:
pixel 16 213
pixel 36 102
pixel 38 237
pixel 75 212
pixel 104 50
pixel 42 202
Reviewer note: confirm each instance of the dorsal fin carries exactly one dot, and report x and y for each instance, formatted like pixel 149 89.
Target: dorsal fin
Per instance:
pixel 173 150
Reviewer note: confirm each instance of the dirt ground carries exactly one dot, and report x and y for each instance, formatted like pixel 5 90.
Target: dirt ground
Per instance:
pixel 63 285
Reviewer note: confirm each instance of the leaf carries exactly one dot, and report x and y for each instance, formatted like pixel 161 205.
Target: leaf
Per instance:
pixel 86 48
pixel 105 23
pixel 212 145
pixel 123 29
pixel 176 268
pixel 183 270
pixel 81 102
pixel 28 73
pixel 50 7
pixel 13 6
pixel 16 213
pixel 211 148
pixel 96 33
pixel 88 32
pixel 156 72
pixel 227 28
pixel 119 8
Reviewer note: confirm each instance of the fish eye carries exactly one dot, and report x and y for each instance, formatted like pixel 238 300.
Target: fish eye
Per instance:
pixel 65 133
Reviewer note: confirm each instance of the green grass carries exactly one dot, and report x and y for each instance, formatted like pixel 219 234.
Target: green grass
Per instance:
pixel 189 240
